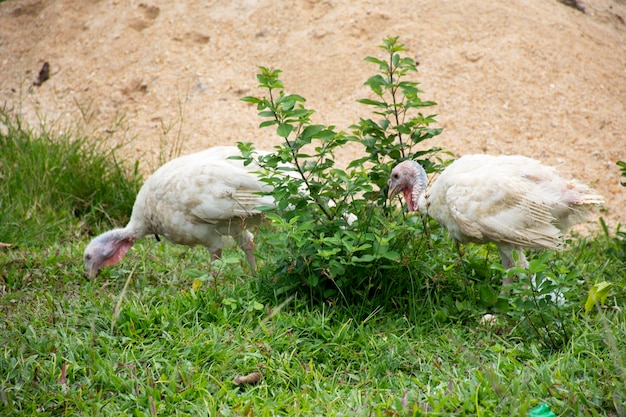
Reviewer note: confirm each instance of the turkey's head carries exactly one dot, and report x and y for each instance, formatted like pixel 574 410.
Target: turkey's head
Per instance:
pixel 106 249
pixel 408 178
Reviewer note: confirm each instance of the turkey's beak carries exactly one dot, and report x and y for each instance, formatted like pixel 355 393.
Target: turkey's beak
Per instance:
pixel 92 269
pixel 394 190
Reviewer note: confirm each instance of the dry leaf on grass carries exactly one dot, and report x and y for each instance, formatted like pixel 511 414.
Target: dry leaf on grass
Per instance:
pixel 251 378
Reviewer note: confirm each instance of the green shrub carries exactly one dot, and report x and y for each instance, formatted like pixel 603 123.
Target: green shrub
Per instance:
pixel 334 231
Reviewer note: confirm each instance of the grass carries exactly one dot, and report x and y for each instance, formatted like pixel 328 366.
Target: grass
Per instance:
pixel 179 337
pixel 53 184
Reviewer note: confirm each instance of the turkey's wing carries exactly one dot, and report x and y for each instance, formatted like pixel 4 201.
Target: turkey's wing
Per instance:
pixel 232 193
pixel 503 212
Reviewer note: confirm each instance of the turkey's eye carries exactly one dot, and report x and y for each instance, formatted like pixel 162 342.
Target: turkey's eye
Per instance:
pixel 395 176
pixel 88 257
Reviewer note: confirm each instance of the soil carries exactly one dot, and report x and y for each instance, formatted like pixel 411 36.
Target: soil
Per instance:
pixel 535 77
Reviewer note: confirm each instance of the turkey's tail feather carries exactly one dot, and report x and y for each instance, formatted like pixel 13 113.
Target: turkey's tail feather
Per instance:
pixel 590 200
pixel 578 205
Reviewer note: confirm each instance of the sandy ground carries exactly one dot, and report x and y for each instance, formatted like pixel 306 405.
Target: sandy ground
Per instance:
pixel 531 77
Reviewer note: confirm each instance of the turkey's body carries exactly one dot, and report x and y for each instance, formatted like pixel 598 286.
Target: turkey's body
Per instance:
pixel 512 201
pixel 192 200
pixel 210 200
pixel 509 199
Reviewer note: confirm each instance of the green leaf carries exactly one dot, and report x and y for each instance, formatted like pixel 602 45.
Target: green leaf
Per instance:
pixel 287 105
pixel 250 99
pixel 376 83
pixel 404 129
pixel 310 131
pixel 284 130
pixel 294 98
pixel 488 295
pixel 409 90
pixel 391 255
pixel 376 61
pixel 375 103
pixel 501 306
pixel 193 273
pixel 336 268
pixel 328 253
pixel 597 295
pixel 298 113
pixel 364 258
pixel 395 59
pixel 267 113
pixel 230 302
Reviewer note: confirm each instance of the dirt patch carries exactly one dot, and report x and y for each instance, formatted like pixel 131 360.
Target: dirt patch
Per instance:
pixel 517 77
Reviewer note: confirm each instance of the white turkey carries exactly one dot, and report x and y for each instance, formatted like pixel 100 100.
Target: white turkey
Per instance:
pixel 513 201
pixel 192 200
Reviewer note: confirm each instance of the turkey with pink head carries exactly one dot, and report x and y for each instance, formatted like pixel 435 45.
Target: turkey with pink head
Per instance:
pixel 513 201
pixel 192 200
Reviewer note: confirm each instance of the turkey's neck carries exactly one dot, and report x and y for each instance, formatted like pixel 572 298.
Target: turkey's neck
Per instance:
pixel 410 199
pixel 416 192
pixel 414 198
pixel 133 231
pixel 128 234
pixel 141 222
